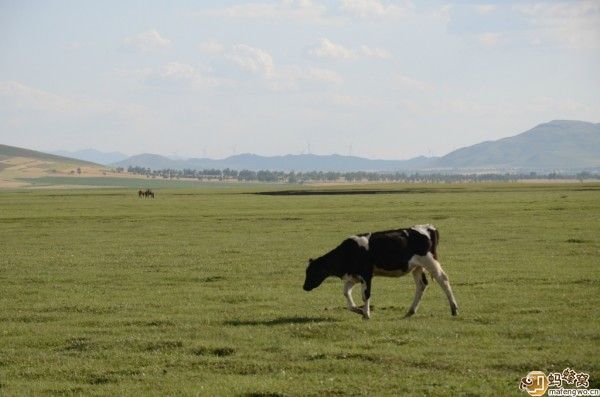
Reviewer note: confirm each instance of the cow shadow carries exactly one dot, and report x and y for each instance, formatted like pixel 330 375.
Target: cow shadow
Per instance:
pixel 282 321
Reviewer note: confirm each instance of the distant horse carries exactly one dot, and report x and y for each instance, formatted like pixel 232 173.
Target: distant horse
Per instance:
pixel 140 193
pixel 148 193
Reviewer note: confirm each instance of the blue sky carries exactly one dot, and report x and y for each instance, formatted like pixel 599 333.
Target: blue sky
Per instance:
pixel 374 78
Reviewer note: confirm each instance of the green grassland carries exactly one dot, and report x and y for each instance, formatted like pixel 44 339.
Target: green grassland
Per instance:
pixel 198 292
pixel 135 183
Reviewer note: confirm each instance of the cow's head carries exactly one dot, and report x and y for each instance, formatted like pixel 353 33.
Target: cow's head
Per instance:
pixel 316 273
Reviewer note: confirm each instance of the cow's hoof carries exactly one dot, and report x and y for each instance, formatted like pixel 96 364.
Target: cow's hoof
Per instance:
pixel 455 311
pixel 356 310
pixel 409 314
pixel 366 314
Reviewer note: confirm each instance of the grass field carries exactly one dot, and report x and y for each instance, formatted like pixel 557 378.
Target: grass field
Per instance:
pixel 198 292
pixel 135 183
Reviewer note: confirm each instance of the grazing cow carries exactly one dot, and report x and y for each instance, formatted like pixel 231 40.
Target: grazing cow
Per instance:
pixel 140 193
pixel 390 253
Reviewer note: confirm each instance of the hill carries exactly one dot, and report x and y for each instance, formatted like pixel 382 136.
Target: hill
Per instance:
pixel 7 152
pixel 558 144
pixel 18 164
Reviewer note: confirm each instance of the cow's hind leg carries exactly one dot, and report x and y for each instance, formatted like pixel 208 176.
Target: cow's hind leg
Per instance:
pixel 420 284
pixel 434 267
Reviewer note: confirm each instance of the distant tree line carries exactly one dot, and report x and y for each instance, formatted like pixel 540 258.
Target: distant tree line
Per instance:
pixel 360 176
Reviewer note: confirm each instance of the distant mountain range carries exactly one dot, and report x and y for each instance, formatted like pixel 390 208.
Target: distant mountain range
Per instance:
pixel 289 162
pixel 93 155
pixel 559 144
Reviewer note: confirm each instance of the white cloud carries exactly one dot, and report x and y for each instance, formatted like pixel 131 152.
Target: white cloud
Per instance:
pixel 146 42
pixel 139 74
pixel 329 49
pixel 314 12
pixel 352 101
pixel 77 46
pixel 442 13
pixel 415 107
pixel 25 97
pixel 188 74
pixel 544 107
pixel 468 107
pixel 176 75
pixel 254 60
pixel 563 107
pixel 211 47
pixel 295 76
pixel 375 8
pixel 485 8
pixel 290 78
pixel 279 78
pixel 407 83
pixel 323 75
pixel 376 53
pixel 183 75
pixel 304 10
pixel 489 39
pixel 574 24
pixel 35 104
pixel 39 117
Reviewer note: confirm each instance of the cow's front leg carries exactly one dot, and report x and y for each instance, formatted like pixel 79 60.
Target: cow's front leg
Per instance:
pixel 348 283
pixel 366 295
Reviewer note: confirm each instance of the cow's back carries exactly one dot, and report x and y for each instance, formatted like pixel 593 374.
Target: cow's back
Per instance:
pixel 391 250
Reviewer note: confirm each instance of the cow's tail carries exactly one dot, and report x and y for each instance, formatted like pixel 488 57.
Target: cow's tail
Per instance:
pixel 435 239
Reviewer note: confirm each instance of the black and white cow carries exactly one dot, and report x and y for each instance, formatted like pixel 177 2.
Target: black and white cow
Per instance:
pixel 390 253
